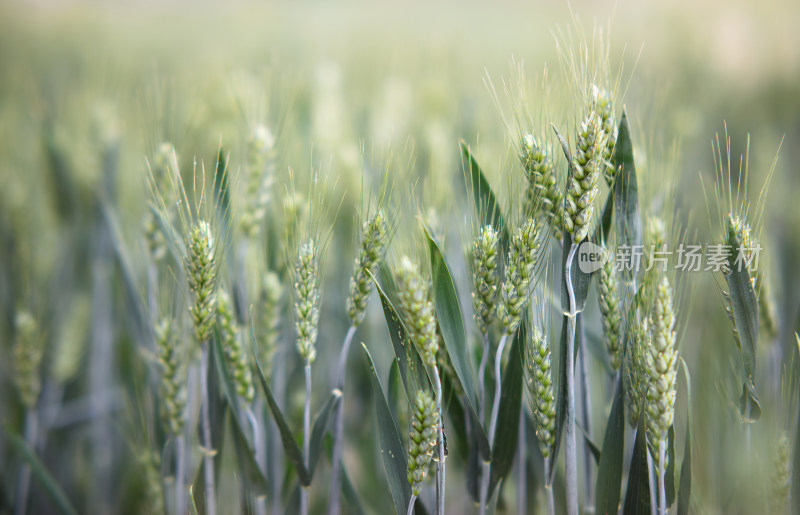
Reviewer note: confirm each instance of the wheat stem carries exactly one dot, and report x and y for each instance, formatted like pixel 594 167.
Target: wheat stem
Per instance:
pixel 411 504
pixel 492 422
pixel 548 488
pixel 306 436
pixel 662 491
pixel 570 455
pixel 652 484
pixel 482 379
pixel 440 467
pixel 179 464
pixel 521 478
pixel 338 432
pixel 25 473
pixel 208 452
pixel 586 408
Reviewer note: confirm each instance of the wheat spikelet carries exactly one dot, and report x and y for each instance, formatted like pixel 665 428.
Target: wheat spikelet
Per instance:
pixel 542 191
pixel 484 264
pixel 260 146
pixel 173 376
pixel 306 301
pixel 422 439
pixel 518 275
pixel 540 390
pixel 201 271
pixel 373 245
pixel 235 355
pixel 587 165
pixel 269 319
pixel 610 315
pixel 28 353
pixel 418 310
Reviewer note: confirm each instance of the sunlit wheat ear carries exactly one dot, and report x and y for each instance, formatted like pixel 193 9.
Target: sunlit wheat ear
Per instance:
pixel 307 299
pixel 519 274
pixel 661 363
pixel 413 293
pixel 172 361
pixel 28 353
pixel 543 193
pixel 269 319
pixel 153 489
pixel 605 108
pixel 484 263
pixel 582 187
pixel 610 312
pixel 201 272
pixel 780 483
pixel 422 439
pixel 235 354
pixel 373 245
pixel 540 390
pixel 260 177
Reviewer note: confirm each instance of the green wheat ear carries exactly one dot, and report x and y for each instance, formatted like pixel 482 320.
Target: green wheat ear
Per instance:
pixel 161 168
pixel 154 492
pixel 173 376
pixel 519 274
pixel 201 270
pixel 422 439
pixel 373 245
pixel 587 165
pixel 307 298
pixel 605 108
pixel 235 354
pixel 28 353
pixel 418 311
pixel 540 390
pixel 661 360
pixel 610 314
pixel 542 193
pixel 484 263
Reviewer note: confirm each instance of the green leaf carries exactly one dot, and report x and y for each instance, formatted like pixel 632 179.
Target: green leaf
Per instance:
pixel 448 313
pixel 39 471
pixel 504 446
pixel 744 306
pixel 486 205
pixel 287 438
pixel 603 229
pixel 609 471
pixel 406 356
pixel 350 495
pixel 685 492
pixel 637 498
pixel 320 428
pixel 393 453
pixel 248 466
pixel 626 193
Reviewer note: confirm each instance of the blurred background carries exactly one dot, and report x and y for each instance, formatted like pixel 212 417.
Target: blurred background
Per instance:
pixel 343 86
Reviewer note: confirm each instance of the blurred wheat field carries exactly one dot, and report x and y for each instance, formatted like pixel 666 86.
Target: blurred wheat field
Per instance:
pixel 352 109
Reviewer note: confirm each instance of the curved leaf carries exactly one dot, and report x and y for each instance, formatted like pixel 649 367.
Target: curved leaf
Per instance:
pixel 287 438
pixel 609 471
pixel 504 446
pixel 486 205
pixel 251 472
pixel 320 429
pixel 637 498
pixel 395 461
pixel 626 193
pixel 39 471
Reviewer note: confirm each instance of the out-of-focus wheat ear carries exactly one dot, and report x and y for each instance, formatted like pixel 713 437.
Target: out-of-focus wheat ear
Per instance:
pixel 153 489
pixel 540 390
pixel 269 319
pixel 413 293
pixel 484 294
pixel 201 273
pixel 519 274
pixel 780 483
pixel 173 376
pixel 585 169
pixel 373 246
pixel 235 354
pixel 307 299
pixel 260 177
pixel 636 375
pixel 422 439
pixel 610 313
pixel 28 353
